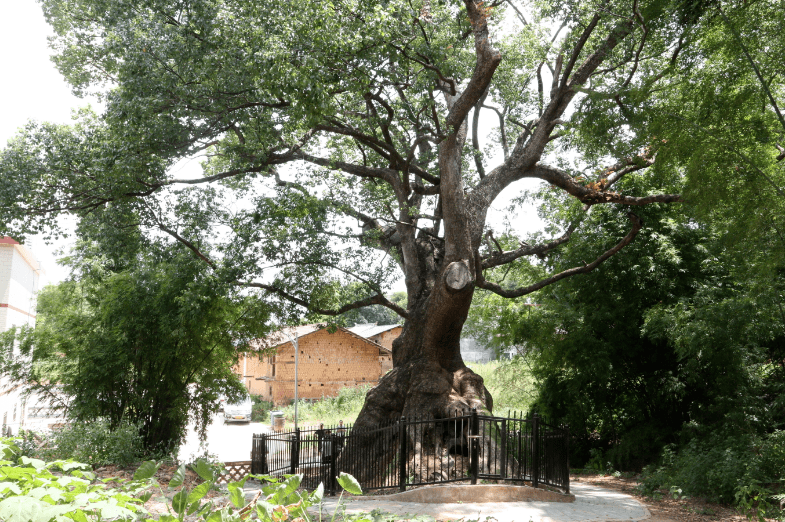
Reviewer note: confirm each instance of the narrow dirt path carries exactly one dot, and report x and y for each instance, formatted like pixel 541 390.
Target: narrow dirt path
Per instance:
pixel 665 509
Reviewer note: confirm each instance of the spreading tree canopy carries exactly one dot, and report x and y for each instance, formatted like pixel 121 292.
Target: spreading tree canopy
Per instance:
pixel 351 141
pixel 149 340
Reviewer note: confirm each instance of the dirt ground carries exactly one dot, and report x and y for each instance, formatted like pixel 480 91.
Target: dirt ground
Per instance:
pixel 666 509
pixel 160 502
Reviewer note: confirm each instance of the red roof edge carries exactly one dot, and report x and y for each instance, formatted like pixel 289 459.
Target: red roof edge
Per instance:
pixel 7 240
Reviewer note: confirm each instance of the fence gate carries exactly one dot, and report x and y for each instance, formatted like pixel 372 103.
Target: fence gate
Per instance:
pixel 467 448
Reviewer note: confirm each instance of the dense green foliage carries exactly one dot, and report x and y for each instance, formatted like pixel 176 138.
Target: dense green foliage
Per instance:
pixel 38 491
pixel 676 346
pixel 91 442
pixel 147 338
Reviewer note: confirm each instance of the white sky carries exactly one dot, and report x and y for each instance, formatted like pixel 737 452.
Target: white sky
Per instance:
pixel 32 88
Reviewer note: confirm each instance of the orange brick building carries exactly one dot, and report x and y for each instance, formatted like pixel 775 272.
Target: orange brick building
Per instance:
pixel 327 362
pixel 381 334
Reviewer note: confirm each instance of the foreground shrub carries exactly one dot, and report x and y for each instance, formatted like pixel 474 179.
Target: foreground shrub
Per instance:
pixel 738 469
pixel 94 443
pixel 36 491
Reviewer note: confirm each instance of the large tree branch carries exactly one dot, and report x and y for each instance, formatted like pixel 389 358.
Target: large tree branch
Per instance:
pixel 527 153
pixel 373 234
pixel 518 292
pixel 475 135
pixel 368 301
pixel 488 59
pixel 593 193
pixel 388 175
pixel 503 257
pixel 375 299
pixel 384 149
pixel 576 51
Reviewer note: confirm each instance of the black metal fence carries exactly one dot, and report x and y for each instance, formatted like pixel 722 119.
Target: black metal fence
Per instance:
pixel 468 448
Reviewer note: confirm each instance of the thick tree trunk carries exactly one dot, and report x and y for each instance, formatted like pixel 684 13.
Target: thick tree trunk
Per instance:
pixel 428 379
pixel 429 376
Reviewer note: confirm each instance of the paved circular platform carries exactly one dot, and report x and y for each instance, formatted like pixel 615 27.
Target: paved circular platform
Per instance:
pixel 591 504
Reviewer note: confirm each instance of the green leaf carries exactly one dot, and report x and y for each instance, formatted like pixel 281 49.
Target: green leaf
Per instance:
pixel 318 494
pixel 77 516
pixel 215 516
pixel 178 477
pixel 68 465
pixel 90 476
pixel 204 470
pixel 180 502
pixel 20 509
pixel 199 492
pixel 290 486
pixel 264 510
pixel 350 484
pixel 236 495
pixel 36 463
pixel 111 511
pixel 15 473
pixel 50 512
pixel 10 486
pixel 146 470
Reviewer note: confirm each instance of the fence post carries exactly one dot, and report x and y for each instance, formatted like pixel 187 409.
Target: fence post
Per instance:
pixel 253 453
pixel 295 452
pixel 402 455
pixel 333 457
pixel 475 445
pixel 567 455
pixel 503 471
pixel 535 450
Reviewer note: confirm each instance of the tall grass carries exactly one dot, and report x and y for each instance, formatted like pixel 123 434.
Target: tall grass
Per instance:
pixel 329 410
pixel 510 383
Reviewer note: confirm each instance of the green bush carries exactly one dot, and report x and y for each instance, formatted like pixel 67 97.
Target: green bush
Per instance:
pixel 261 409
pixel 709 468
pixel 768 465
pixel 94 443
pixel 735 469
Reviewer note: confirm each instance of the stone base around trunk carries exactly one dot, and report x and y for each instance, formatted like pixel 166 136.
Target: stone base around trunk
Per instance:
pixel 478 493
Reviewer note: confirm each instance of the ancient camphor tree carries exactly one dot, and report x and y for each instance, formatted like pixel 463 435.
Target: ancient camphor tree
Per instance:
pixel 342 143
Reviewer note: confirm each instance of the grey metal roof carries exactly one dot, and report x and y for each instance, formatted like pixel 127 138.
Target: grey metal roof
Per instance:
pixel 369 330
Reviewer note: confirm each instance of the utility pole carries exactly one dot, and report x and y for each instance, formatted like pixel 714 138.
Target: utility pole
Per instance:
pixel 295 342
pixel 296 359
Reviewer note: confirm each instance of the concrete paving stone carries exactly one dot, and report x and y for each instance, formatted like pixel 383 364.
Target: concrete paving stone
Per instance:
pixel 591 504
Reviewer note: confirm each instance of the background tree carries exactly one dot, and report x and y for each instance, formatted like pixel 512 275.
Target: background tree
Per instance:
pixel 375 108
pixel 151 342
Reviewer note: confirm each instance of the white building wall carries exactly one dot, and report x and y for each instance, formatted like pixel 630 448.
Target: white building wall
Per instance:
pixel 19 284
